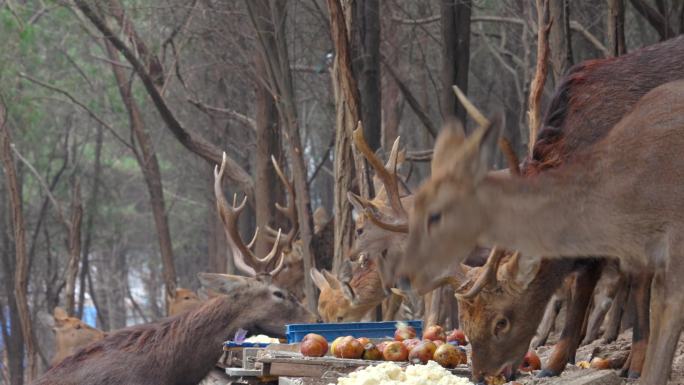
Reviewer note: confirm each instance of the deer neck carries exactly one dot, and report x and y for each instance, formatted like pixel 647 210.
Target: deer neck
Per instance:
pixel 554 214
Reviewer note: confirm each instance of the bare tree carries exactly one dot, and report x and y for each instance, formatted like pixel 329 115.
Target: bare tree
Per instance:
pixel 21 260
pixel 559 38
pixel 616 27
pixel 455 53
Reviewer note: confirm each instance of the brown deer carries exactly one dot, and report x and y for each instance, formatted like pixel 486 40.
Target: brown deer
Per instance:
pixel 183 300
pixel 182 349
pixel 71 334
pixel 594 204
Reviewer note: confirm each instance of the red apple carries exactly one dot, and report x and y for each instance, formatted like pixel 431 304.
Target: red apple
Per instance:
pixel 404 332
pixel 449 356
pixel 334 345
pixel 313 346
pixel 363 341
pixel 458 336
pixel 422 353
pixel 410 343
pixel 371 352
pixel 395 351
pixel 434 333
pixel 530 362
pixel 349 347
pixel 381 345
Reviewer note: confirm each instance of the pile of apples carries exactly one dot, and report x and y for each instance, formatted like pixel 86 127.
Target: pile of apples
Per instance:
pixel 436 345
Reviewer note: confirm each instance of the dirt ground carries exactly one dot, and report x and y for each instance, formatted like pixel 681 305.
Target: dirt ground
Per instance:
pixel 619 347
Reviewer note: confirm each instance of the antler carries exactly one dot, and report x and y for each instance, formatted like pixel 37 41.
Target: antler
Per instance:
pixel 386 173
pixel 244 259
pixel 487 276
pixel 290 211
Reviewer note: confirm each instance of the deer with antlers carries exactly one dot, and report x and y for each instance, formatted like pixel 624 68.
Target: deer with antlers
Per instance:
pixel 591 205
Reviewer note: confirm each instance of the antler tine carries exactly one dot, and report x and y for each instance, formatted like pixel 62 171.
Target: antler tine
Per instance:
pixel 387 176
pixel 254 238
pixel 391 165
pixel 368 210
pixel 290 211
pixel 229 217
pixel 487 276
pixel 274 250
pixel 279 267
pixel 470 107
pixel 511 157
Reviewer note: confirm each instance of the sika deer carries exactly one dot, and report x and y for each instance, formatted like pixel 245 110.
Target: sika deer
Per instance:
pixel 592 205
pixel 71 334
pixel 182 349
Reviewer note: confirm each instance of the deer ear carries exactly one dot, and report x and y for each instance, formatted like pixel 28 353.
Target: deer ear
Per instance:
pixel 449 140
pixel 318 279
pixel 348 293
pixel 518 272
pixel 332 280
pixel 60 314
pixel 222 283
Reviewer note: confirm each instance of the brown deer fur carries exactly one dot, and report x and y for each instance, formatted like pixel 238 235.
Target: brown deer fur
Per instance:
pixel 71 334
pixel 181 349
pixel 183 300
pixel 616 198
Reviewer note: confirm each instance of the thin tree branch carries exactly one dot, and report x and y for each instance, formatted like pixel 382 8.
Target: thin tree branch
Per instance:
pixel 590 37
pixel 412 101
pixel 78 103
pixel 244 119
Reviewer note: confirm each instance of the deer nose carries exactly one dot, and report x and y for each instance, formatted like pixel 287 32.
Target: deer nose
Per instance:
pixel 319 320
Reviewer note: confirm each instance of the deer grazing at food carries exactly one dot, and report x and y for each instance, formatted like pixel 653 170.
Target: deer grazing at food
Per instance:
pixel 71 334
pixel 182 349
pixel 593 204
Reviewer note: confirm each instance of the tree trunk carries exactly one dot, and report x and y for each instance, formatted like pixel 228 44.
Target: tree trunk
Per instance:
pixel 455 54
pixel 74 245
pixel 14 343
pixel 116 287
pixel 91 212
pixel 560 45
pixel 366 25
pixel 267 144
pixel 21 260
pixel 149 165
pixel 616 27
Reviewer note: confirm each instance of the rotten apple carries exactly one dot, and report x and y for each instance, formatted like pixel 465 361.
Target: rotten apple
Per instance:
pixel 371 352
pixel 410 343
pixel 458 336
pixel 404 332
pixel 434 333
pixel 349 347
pixel 422 353
pixel 395 351
pixel 313 345
pixel 530 362
pixel 600 363
pixel 449 356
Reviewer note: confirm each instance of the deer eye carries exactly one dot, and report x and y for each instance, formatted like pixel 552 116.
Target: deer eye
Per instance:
pixel 433 219
pixel 501 326
pixel 186 298
pixel 340 319
pixel 279 294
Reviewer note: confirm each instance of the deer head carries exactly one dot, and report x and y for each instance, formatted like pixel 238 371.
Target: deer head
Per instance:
pixel 182 301
pixel 350 298
pixel 71 334
pixel 447 218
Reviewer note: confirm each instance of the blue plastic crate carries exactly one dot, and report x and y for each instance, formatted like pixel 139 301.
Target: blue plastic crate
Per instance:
pixel 233 344
pixel 296 332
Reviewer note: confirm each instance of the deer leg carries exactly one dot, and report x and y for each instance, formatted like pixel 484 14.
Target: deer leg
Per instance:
pixel 614 316
pixel 641 293
pixel 578 306
pixel 550 314
pixel 667 315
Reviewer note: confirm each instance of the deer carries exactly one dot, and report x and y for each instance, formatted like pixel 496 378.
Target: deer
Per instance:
pixel 590 205
pixel 589 88
pixel 183 300
pixel 184 348
pixel 71 334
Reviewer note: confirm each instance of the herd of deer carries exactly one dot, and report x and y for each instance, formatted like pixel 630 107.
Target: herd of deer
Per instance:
pixel 595 210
